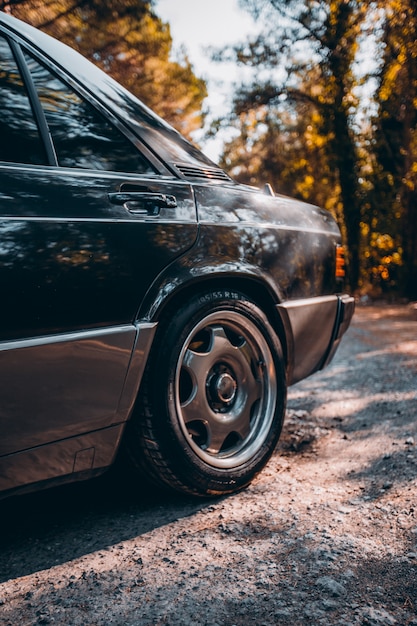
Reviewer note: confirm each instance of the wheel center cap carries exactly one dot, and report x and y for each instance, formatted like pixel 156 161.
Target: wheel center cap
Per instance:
pixel 225 388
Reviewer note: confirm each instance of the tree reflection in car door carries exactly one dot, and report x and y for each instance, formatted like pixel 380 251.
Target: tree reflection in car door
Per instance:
pixel 75 262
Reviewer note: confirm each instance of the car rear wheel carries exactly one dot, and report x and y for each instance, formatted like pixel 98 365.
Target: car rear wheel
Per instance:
pixel 213 397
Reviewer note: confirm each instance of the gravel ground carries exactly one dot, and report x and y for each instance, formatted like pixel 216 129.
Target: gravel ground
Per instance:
pixel 327 534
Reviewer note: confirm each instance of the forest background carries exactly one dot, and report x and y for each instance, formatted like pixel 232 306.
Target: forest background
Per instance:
pixel 321 119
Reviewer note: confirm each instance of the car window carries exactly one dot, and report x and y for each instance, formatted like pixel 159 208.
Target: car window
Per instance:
pixel 81 134
pixel 20 139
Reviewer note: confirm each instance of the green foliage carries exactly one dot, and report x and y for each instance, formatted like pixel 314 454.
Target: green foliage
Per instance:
pixel 130 42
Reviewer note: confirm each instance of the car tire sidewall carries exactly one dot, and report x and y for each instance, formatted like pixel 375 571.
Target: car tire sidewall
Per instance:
pixel 176 450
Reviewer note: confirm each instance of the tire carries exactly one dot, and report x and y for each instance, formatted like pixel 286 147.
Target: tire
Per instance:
pixel 212 400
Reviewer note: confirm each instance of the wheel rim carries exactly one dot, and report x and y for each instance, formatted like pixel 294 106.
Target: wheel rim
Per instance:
pixel 225 389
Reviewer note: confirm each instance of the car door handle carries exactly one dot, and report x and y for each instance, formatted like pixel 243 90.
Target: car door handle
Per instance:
pixel 143 202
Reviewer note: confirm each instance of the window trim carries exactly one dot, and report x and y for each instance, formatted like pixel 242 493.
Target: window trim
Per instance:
pixel 160 168
pixel 36 106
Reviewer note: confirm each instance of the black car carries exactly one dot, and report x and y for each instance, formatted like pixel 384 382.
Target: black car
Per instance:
pixel 151 306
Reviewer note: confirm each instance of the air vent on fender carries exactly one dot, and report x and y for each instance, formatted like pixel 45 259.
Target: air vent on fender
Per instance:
pixel 206 172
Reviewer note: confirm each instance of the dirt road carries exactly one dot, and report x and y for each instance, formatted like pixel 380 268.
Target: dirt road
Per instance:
pixel 327 534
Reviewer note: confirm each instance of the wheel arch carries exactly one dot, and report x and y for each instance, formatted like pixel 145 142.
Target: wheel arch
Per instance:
pixel 256 289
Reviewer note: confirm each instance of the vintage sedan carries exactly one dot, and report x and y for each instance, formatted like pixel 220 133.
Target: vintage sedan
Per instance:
pixel 152 307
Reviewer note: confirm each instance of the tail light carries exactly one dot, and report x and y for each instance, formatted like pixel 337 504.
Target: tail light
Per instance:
pixel 340 262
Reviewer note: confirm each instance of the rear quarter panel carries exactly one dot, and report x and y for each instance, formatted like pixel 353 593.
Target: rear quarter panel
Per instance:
pixel 291 242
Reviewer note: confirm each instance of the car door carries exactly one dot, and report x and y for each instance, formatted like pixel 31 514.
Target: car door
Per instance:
pixel 87 221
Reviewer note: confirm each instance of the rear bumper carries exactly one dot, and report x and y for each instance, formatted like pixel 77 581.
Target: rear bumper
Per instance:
pixel 314 328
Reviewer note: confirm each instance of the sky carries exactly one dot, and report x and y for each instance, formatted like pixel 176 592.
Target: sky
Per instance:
pixel 196 25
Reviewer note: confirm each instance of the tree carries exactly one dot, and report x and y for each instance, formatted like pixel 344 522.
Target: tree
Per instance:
pixel 306 54
pixel 394 195
pixel 129 41
pixel 284 148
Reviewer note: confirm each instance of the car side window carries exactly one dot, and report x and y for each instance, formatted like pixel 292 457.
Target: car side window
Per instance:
pixel 82 136
pixel 20 139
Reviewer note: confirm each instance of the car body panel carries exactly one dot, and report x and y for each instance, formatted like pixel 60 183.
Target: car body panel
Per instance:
pixel 311 348
pixel 289 240
pixel 61 223
pixel 287 245
pixel 55 386
pixel 74 458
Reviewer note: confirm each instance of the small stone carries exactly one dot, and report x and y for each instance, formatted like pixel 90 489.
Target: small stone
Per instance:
pixel 332 586
pixel 378 617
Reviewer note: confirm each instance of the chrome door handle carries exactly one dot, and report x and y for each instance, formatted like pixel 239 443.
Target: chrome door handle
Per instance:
pixel 143 202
